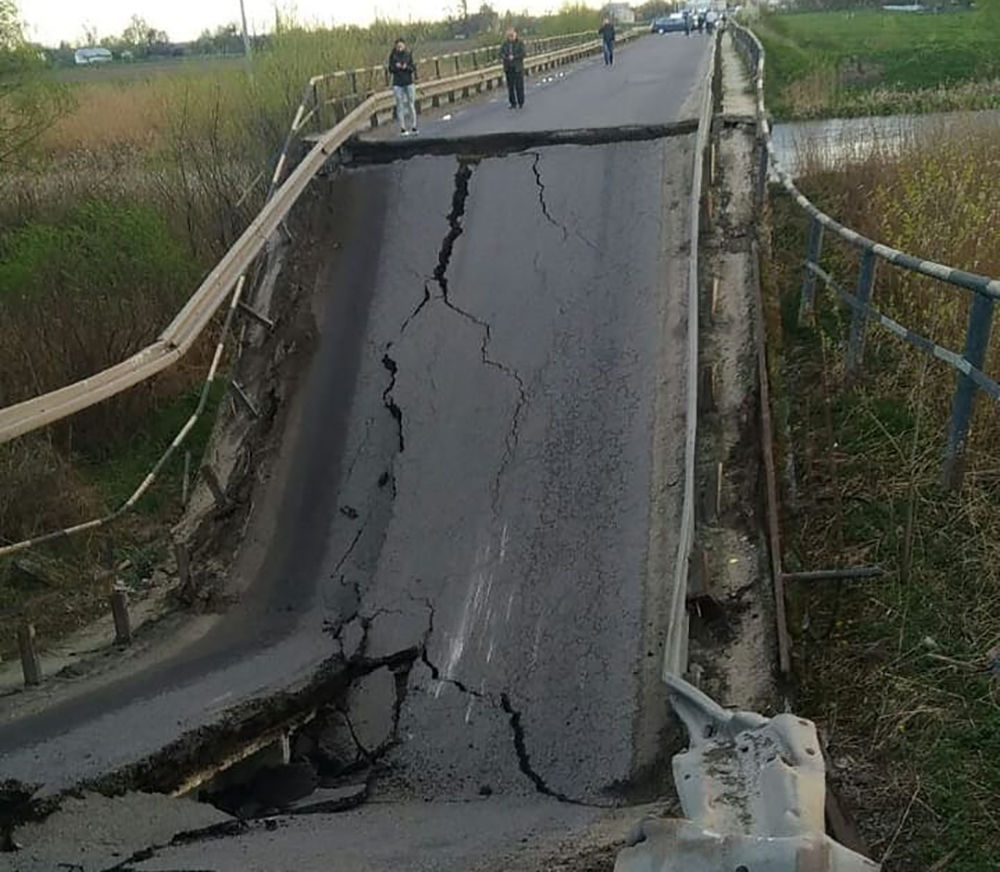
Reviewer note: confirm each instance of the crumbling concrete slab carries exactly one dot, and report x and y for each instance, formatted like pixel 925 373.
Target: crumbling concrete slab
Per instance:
pixel 96 832
pixel 328 800
pixel 372 704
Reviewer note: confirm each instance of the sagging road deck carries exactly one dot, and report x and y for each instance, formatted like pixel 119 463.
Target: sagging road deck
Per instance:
pixel 497 480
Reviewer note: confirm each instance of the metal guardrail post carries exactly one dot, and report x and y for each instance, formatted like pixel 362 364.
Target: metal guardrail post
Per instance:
pixel 807 298
pixel 977 338
pixel 859 321
pixel 437 68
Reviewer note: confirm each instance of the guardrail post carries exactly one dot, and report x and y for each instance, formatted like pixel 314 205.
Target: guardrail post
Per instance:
pixel 437 68
pixel 353 76
pixel 30 665
pixel 807 298
pixel 977 339
pixel 859 321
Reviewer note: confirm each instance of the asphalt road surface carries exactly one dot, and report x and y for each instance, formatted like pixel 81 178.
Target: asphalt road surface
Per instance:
pixel 487 460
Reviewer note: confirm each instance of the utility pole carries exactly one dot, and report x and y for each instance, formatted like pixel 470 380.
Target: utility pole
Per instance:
pixel 246 36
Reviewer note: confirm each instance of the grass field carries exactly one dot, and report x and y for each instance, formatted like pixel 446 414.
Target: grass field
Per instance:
pixel 896 671
pixel 208 65
pixel 869 62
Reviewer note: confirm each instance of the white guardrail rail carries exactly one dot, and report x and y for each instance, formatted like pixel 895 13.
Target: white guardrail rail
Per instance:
pixel 181 333
pixel 676 646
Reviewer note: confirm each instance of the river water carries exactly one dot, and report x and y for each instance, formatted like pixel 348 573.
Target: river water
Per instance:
pixel 835 142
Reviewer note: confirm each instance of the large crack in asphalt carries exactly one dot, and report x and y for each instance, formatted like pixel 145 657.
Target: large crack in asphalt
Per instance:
pixel 460 195
pixel 536 159
pixel 455 229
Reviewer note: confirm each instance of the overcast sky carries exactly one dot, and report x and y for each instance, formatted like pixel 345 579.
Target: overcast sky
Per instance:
pixel 50 21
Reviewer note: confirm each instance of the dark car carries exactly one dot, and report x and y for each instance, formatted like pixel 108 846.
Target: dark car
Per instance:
pixel 672 23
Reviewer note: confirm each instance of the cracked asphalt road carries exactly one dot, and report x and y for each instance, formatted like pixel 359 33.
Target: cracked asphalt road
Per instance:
pixel 486 458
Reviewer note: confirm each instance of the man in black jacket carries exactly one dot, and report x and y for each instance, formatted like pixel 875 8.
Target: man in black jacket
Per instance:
pixel 512 56
pixel 403 72
pixel 607 35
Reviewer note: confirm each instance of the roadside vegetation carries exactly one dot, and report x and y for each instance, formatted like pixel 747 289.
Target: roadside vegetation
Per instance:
pixel 901 673
pixel 120 188
pixel 863 61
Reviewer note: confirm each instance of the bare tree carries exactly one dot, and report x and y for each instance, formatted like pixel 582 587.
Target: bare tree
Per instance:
pixel 29 103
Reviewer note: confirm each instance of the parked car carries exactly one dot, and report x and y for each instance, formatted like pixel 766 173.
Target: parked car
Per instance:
pixel 95 55
pixel 672 23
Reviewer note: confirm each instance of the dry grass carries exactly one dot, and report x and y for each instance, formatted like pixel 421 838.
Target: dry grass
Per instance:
pixel 895 670
pixel 109 117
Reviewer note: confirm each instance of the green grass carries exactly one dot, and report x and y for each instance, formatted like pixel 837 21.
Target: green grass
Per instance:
pixel 859 61
pixel 893 670
pixel 117 471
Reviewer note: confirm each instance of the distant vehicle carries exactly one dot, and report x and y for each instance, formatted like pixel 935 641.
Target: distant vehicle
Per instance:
pixel 88 56
pixel 673 23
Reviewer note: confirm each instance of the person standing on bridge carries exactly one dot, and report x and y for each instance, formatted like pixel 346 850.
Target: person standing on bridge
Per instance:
pixel 607 35
pixel 512 57
pixel 403 71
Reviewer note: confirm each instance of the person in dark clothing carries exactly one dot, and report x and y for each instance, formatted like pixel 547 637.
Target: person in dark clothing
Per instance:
pixel 687 23
pixel 403 71
pixel 607 35
pixel 512 57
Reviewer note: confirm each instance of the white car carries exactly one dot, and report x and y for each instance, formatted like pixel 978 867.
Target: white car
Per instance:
pixel 96 55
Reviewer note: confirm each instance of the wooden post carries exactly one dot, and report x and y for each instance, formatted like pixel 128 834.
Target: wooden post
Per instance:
pixel 186 480
pixel 30 665
pixel 119 611
pixel 183 558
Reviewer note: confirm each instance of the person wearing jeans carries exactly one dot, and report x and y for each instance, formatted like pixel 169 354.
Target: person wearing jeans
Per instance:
pixel 512 56
pixel 607 35
pixel 403 71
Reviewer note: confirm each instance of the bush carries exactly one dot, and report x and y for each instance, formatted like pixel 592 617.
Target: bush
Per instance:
pixel 82 294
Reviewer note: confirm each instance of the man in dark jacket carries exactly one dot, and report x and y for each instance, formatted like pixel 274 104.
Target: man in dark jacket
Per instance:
pixel 607 35
pixel 512 56
pixel 403 71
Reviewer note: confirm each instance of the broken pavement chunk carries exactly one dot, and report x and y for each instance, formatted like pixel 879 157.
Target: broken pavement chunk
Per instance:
pixel 328 800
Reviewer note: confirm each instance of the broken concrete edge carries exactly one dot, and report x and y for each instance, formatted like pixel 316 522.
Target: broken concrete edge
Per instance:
pixel 360 151
pixel 173 769
pixel 197 756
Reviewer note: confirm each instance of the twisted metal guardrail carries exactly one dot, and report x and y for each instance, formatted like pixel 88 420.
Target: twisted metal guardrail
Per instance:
pixel 227 281
pixel 986 291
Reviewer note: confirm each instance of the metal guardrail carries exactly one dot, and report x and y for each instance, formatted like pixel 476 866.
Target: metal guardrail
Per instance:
pixel 227 281
pixel 986 290
pixel 676 645
pixel 312 104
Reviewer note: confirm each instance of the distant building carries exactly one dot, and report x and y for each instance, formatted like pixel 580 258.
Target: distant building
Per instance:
pixel 96 55
pixel 620 13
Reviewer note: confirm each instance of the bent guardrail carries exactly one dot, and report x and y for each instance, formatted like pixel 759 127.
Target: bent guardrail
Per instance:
pixel 986 290
pixel 180 334
pixel 676 645
pixel 226 281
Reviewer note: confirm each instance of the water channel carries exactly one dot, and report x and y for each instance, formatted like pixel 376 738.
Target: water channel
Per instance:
pixel 829 143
